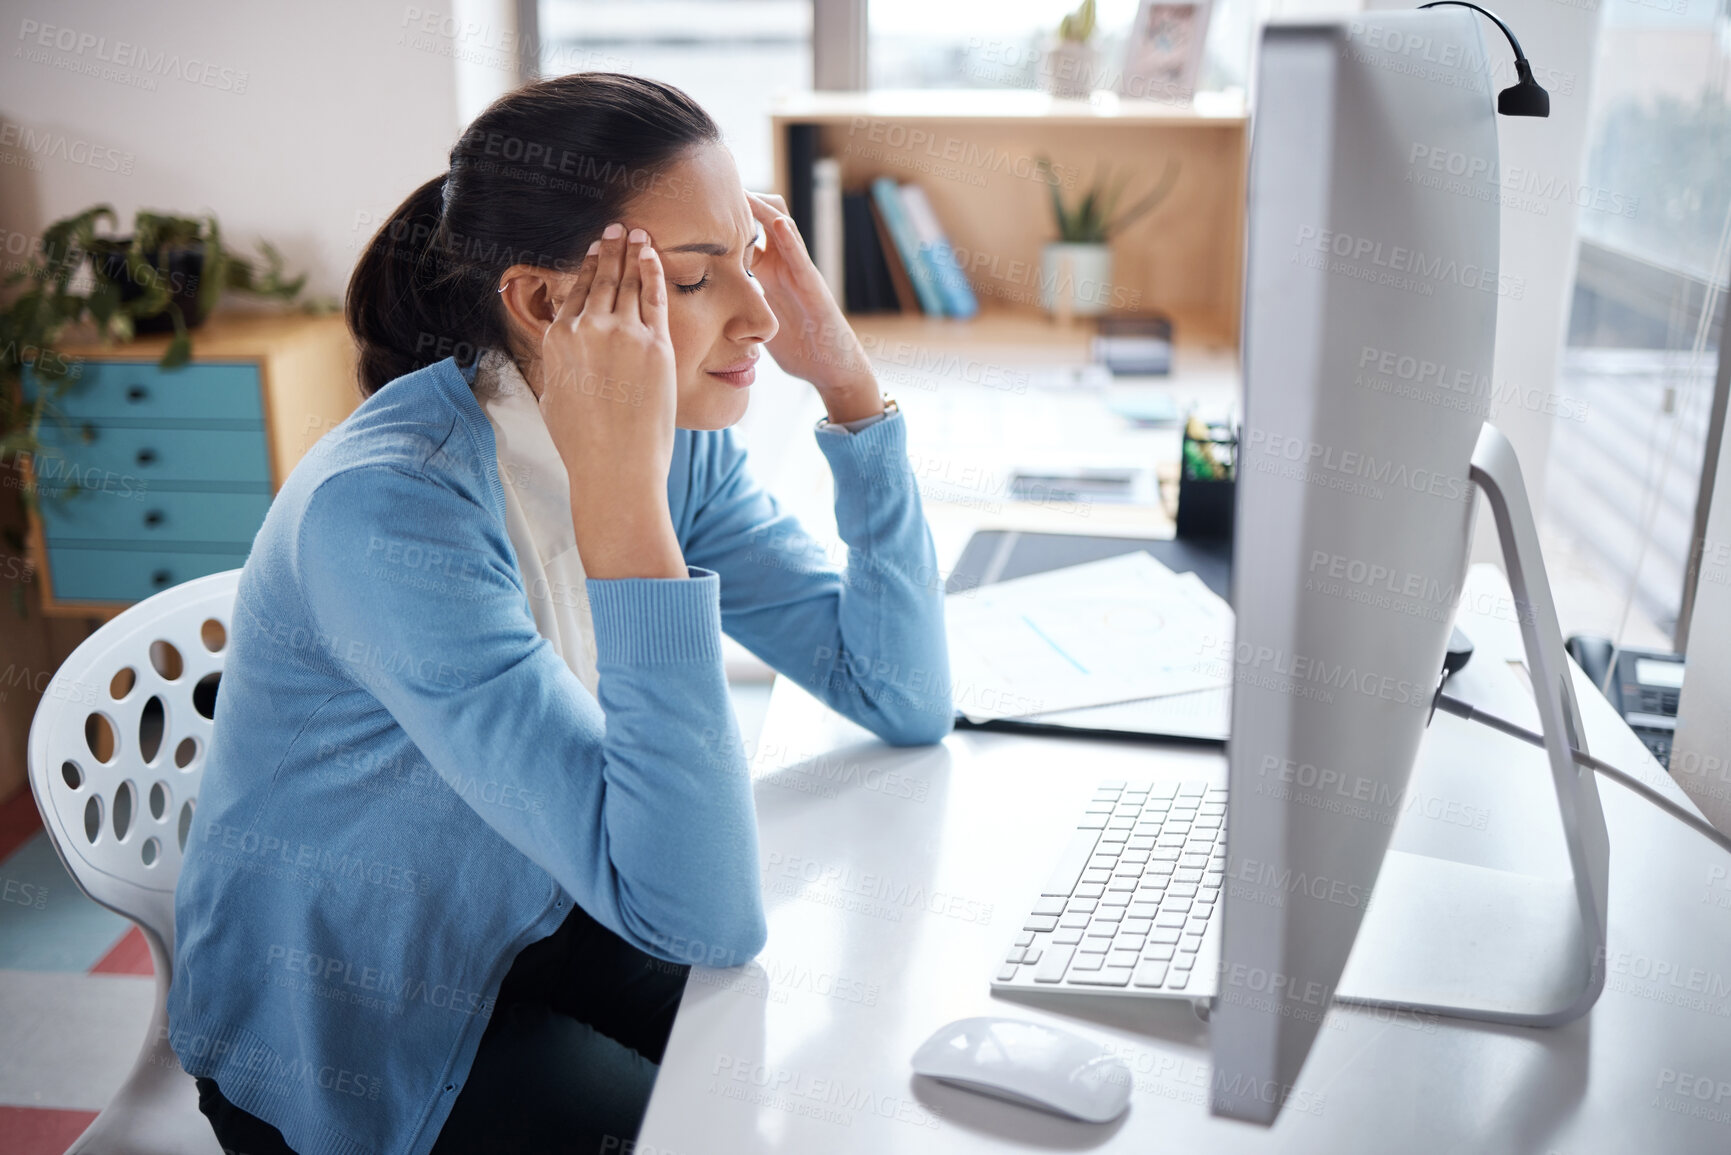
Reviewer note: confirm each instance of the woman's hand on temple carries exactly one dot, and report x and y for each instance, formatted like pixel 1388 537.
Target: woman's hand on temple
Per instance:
pixel 815 341
pixel 608 396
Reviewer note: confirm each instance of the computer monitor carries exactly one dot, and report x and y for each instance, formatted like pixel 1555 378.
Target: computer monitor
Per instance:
pixel 1372 284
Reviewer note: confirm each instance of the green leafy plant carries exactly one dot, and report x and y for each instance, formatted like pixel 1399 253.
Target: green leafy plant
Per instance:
pixel 1078 26
pixel 1095 219
pixel 167 276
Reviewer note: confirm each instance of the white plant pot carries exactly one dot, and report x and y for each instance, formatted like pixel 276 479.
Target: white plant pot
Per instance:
pixel 1070 70
pixel 1079 275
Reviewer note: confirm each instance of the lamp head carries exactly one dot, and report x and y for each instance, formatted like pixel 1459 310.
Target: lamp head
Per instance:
pixel 1524 97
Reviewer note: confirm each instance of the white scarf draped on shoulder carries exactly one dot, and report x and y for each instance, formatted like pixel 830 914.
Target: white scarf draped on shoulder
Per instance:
pixel 538 513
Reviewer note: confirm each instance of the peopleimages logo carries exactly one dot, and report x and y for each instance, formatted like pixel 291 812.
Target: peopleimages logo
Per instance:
pixel 89 53
pixel 773 979
pixel 1447 63
pixel 964 151
pixel 1702 1096
pixel 1712 985
pixel 876 894
pixel 1286 672
pixel 372 986
pixel 1384 578
pixel 318 862
pixel 1525 182
pixel 1173 1077
pixel 1271 878
pixel 825 1099
pixel 1361 472
pixel 1400 259
pixel 58 146
pixel 1437 383
pixel 1357 796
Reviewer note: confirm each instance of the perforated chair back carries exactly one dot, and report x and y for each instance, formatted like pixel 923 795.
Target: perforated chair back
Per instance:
pixel 116 756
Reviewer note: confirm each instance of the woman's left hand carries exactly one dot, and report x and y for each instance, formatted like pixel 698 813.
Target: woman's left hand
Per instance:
pixel 815 342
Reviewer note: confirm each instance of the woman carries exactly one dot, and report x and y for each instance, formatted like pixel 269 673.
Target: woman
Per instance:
pixel 475 794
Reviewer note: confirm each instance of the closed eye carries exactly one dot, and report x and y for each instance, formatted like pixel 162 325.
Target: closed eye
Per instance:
pixel 751 253
pixel 746 255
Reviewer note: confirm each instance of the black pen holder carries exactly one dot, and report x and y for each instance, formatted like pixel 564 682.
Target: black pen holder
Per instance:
pixel 1207 473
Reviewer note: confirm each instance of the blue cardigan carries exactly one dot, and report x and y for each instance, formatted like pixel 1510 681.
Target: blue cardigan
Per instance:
pixel 406 785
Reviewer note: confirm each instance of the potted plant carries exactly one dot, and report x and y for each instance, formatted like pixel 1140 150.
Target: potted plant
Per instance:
pixel 1072 63
pixel 165 263
pixel 1076 269
pixel 167 276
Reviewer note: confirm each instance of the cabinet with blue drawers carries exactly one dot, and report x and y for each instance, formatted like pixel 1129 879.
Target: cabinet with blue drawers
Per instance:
pixel 150 477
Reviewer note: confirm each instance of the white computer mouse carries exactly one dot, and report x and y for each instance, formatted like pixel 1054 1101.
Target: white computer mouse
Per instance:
pixel 1028 1063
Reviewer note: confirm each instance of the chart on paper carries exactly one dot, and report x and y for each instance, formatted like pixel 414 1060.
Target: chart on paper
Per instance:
pixel 1116 630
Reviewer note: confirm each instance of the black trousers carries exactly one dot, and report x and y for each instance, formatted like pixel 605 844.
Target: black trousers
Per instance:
pixel 565 1066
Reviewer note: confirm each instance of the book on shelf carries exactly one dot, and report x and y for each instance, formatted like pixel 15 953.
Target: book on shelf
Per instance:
pixel 886 195
pixel 866 278
pixel 880 249
pixel 900 282
pixel 826 223
pixel 801 157
pixel 934 249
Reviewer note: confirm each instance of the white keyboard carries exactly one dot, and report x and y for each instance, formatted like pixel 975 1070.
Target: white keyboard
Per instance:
pixel 1129 907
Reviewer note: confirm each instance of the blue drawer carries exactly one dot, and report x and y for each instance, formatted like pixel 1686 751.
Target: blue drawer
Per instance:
pixel 140 515
pixel 123 575
pixel 110 390
pixel 113 457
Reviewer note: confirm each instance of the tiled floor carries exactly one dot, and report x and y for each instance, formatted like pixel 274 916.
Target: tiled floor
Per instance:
pixel 76 986
pixel 75 993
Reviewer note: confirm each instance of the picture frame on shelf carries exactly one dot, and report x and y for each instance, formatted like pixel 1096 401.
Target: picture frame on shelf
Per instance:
pixel 1163 51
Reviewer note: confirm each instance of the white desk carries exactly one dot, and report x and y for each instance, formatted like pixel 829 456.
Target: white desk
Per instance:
pixel 977 414
pixel 894 880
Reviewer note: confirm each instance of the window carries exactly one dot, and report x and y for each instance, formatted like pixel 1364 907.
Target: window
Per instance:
pixel 732 56
pixel 1001 43
pixel 1641 352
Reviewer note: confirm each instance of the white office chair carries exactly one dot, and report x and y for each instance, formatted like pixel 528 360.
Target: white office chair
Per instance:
pixel 116 755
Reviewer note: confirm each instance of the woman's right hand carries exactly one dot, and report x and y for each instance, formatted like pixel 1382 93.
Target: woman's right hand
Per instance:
pixel 608 396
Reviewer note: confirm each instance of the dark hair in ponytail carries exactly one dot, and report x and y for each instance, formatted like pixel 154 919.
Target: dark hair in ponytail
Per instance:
pixel 533 180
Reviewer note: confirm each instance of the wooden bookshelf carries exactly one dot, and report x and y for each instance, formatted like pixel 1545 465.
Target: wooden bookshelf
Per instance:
pixel 974 153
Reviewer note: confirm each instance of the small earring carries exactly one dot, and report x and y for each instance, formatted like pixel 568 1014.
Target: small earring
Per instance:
pixel 505 286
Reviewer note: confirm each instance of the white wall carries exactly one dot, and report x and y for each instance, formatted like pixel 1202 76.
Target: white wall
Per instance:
pixel 487 46
pixel 300 123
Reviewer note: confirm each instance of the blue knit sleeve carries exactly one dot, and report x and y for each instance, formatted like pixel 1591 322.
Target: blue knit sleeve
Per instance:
pixel 645 815
pixel 868 638
pixel 825 425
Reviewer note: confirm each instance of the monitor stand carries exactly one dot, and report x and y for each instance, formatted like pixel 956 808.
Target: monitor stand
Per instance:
pixel 1424 942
